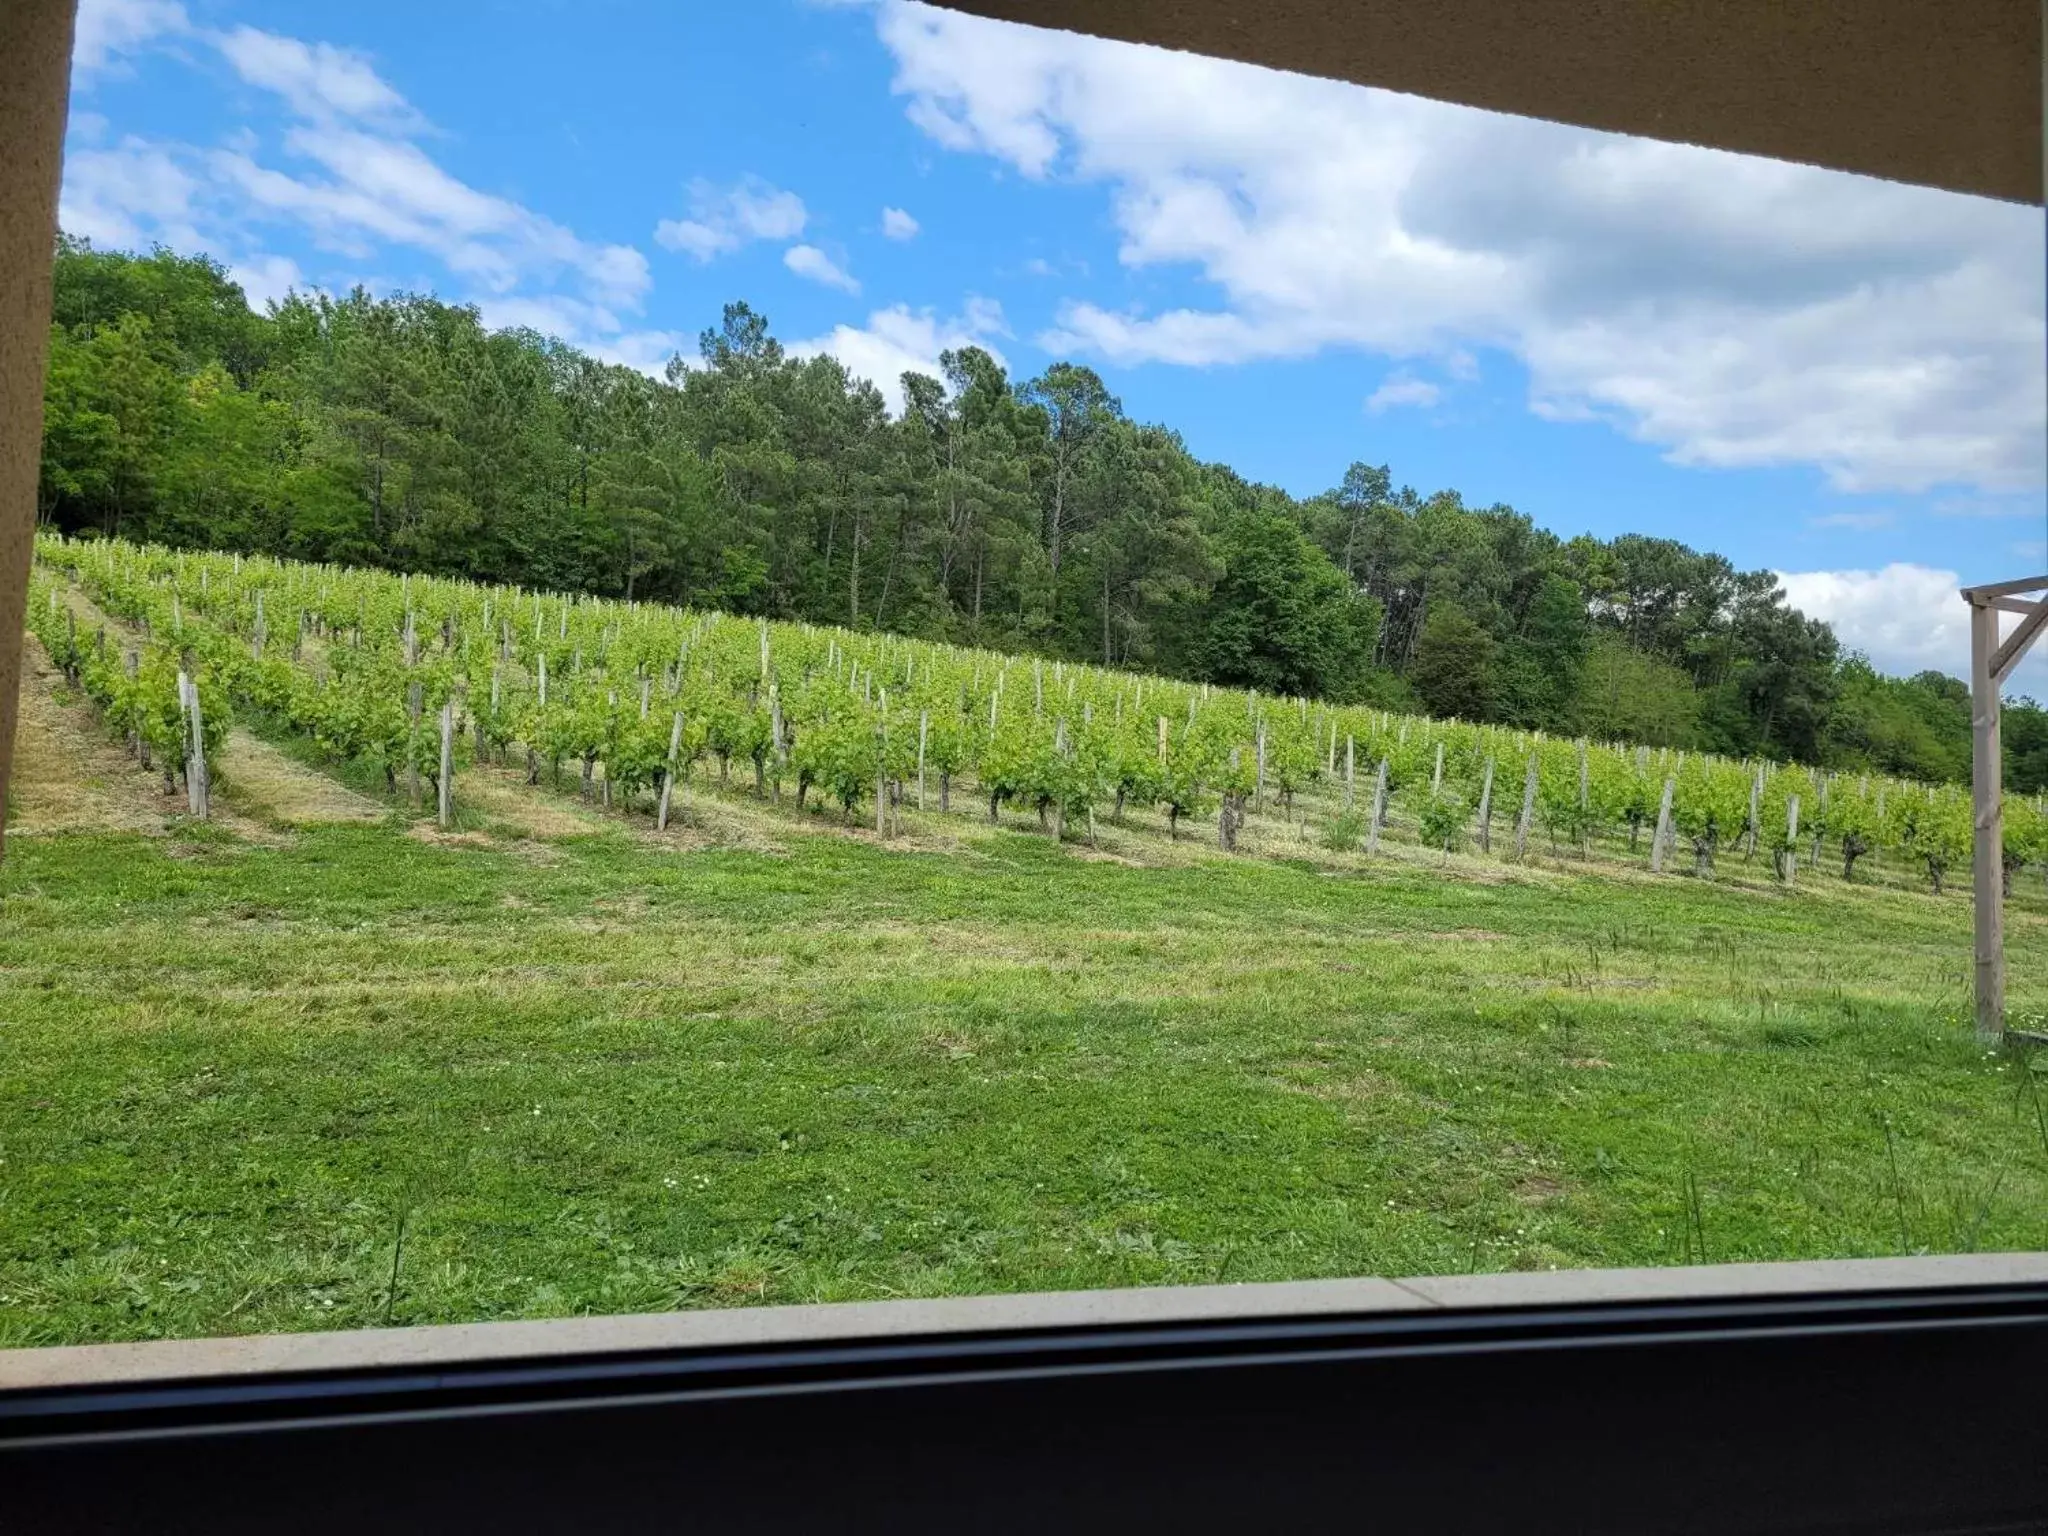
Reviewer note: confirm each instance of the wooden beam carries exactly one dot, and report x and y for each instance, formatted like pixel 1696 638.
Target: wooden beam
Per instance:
pixel 2008 655
pixel 2006 588
pixel 2019 605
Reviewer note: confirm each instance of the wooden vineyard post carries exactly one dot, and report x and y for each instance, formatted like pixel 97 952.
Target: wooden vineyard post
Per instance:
pixel 1259 782
pixel 1790 862
pixel 483 741
pixel 1528 815
pixel 1162 738
pixel 1820 823
pixel 1350 768
pixel 198 787
pixel 1486 808
pixel 137 742
pixel 882 774
pixel 924 730
pixel 1436 777
pixel 444 809
pixel 1379 809
pixel 668 772
pixel 1660 840
pixel 415 701
pixel 1756 799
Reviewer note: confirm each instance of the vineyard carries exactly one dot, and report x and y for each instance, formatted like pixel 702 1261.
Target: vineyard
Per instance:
pixel 394 950
pixel 421 678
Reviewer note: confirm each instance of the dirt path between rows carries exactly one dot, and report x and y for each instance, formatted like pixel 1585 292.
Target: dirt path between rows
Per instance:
pixel 68 776
pixel 76 778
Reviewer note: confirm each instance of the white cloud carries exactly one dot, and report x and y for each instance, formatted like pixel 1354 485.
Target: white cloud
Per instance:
pixel 898 340
pixel 1403 389
pixel 807 261
pixel 267 279
pixel 1855 522
pixel 1905 618
pixel 353 179
pixel 109 29
pixel 1734 311
pixel 898 225
pixel 724 219
pixel 128 195
pixel 317 79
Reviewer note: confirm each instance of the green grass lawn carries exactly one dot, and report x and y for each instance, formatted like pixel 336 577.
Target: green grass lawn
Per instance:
pixel 245 1083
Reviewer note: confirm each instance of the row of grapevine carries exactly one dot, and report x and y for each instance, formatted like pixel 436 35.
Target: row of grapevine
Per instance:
pixel 627 696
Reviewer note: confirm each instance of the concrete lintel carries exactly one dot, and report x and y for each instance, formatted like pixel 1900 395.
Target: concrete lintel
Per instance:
pixel 473 1343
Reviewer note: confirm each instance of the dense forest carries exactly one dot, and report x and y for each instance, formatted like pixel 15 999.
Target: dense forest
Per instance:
pixel 1028 515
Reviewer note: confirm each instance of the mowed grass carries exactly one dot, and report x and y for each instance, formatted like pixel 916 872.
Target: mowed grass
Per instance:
pixel 351 1075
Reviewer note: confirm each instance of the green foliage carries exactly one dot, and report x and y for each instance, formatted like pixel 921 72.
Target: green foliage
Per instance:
pixel 1344 833
pixel 1029 515
pixel 1441 822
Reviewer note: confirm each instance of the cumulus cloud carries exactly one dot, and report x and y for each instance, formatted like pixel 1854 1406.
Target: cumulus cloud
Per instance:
pixel 352 177
pixel 722 219
pixel 807 261
pixel 1403 389
pixel 1735 311
pixel 898 225
pixel 1906 618
pixel 899 340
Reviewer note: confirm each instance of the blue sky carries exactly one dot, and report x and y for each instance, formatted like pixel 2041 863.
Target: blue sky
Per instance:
pixel 1831 377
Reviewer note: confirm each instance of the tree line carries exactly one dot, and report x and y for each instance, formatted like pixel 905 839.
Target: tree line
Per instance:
pixel 1023 515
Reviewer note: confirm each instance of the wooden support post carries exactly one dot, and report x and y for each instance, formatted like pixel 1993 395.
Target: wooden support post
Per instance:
pixel 1436 777
pixel 1379 809
pixel 1756 800
pixel 1259 781
pixel 668 773
pixel 1660 840
pixel 924 730
pixel 1528 815
pixel 415 702
pixel 1486 809
pixel 1350 769
pixel 1986 793
pixel 1791 869
pixel 198 783
pixel 444 809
